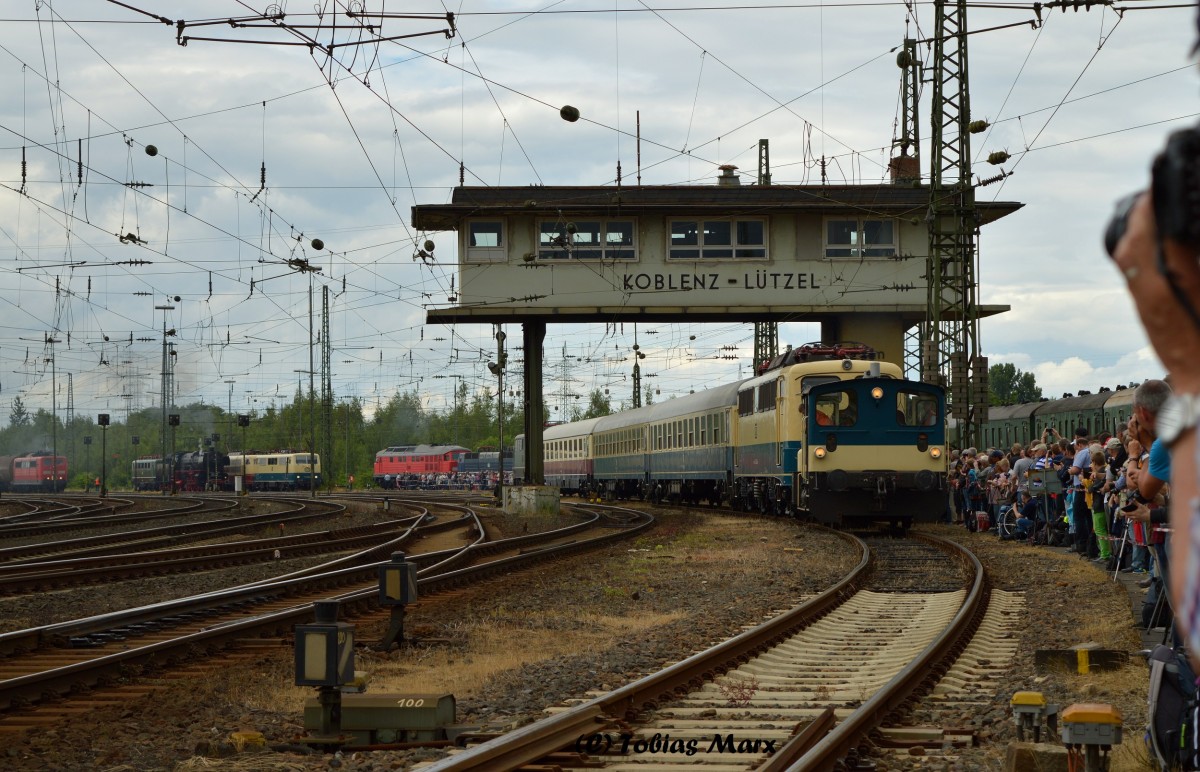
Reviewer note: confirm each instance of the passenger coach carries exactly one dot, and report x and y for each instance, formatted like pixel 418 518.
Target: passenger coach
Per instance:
pixel 1105 412
pixel 676 450
pixel 569 459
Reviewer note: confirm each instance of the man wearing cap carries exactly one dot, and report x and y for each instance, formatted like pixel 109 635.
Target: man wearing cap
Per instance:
pixel 1081 514
pixel 1117 455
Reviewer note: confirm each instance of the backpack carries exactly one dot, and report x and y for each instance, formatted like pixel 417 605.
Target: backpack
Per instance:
pixel 1059 532
pixel 1171 735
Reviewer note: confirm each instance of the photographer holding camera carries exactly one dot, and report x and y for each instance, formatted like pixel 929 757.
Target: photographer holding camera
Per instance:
pixel 1155 240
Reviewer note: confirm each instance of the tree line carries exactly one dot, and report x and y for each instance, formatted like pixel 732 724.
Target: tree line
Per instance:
pixel 347 442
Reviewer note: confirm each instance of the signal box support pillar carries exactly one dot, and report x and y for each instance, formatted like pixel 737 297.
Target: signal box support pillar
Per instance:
pixel 883 332
pixel 534 334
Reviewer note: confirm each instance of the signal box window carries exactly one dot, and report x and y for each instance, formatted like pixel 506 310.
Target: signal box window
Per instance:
pixel 586 240
pixel 718 239
pixel 860 238
pixel 485 241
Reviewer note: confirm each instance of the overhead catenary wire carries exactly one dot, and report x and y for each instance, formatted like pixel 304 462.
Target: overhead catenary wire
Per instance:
pixel 382 267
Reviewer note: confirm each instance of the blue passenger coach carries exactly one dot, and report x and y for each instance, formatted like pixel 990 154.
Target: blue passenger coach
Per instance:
pixel 675 450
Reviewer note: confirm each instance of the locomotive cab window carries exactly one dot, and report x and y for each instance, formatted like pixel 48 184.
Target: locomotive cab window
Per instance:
pixel 839 408
pixel 916 409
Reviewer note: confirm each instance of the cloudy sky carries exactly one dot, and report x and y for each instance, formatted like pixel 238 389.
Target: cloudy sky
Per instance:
pixel 262 147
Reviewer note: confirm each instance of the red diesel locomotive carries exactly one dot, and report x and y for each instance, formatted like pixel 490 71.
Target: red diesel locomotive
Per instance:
pixel 400 463
pixel 34 473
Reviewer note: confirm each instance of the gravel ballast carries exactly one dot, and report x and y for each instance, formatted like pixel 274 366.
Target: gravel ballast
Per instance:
pixel 595 623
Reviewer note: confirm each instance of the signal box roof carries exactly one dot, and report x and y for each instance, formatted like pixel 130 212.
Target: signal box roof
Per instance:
pixel 601 200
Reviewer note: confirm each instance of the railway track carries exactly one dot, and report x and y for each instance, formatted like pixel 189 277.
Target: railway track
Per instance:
pixel 32 577
pixel 52 516
pixel 37 511
pixel 800 691
pixel 69 660
pixel 227 522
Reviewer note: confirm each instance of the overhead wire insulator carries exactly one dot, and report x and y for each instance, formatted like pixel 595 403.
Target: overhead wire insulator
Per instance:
pixel 998 157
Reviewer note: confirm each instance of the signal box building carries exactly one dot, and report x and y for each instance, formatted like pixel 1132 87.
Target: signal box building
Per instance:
pixel 851 257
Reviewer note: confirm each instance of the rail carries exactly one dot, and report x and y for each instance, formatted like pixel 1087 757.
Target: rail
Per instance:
pixel 819 746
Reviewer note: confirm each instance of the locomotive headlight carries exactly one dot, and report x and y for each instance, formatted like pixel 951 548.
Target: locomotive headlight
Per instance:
pixel 819 452
pixel 935 452
pixel 877 392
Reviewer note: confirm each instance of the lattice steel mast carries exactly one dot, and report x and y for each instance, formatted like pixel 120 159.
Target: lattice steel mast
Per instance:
pixel 951 337
pixel 766 334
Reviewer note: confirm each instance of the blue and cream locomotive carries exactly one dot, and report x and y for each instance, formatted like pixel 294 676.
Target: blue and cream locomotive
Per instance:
pixel 824 431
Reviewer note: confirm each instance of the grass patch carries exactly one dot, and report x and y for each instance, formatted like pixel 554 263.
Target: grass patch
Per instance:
pixel 1126 687
pixel 479 650
pixel 270 687
pixel 493 645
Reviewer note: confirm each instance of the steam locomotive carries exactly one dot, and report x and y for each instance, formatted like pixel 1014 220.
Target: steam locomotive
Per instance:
pixel 202 470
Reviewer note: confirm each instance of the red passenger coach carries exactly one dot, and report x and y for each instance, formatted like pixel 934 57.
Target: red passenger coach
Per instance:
pixel 570 459
pixel 401 464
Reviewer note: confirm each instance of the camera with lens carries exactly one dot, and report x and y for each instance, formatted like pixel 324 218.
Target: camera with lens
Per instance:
pixel 1175 183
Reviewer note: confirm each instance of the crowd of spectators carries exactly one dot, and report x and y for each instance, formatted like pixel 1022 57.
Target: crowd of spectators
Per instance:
pixel 1103 497
pixel 458 481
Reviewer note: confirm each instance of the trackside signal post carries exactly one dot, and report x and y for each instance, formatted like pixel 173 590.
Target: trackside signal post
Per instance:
pixel 325 659
pixel 397 589
pixel 851 257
